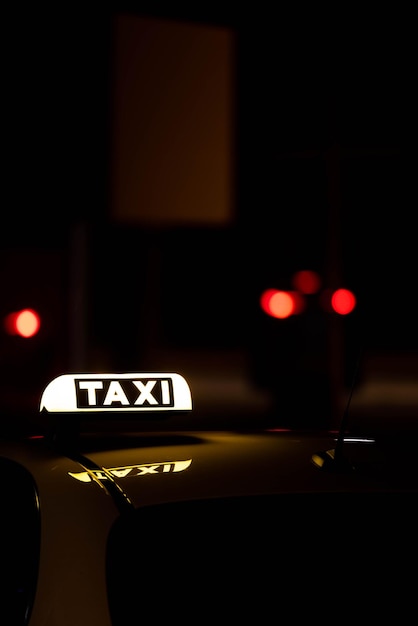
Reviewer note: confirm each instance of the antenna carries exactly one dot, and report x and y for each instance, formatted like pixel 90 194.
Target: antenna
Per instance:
pixel 334 460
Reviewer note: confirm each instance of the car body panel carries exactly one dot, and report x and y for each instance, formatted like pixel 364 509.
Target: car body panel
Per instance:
pixel 74 528
pixel 87 486
pixel 180 466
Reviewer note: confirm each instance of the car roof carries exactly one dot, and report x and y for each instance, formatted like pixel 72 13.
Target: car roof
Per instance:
pixel 164 466
pixel 120 431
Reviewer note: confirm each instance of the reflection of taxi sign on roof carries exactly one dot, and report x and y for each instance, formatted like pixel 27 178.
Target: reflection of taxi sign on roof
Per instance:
pixel 116 392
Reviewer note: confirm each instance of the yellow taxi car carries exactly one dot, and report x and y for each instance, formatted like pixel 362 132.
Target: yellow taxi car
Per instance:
pixel 113 516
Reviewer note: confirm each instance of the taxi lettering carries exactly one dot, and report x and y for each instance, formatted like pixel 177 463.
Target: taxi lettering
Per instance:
pixel 131 470
pixel 124 393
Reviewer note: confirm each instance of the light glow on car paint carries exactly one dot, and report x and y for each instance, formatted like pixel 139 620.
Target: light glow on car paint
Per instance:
pixel 358 440
pixel 25 323
pixel 126 471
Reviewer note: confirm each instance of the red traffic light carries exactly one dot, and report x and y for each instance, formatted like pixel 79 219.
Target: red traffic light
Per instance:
pixel 281 304
pixel 343 301
pixel 306 281
pixel 25 323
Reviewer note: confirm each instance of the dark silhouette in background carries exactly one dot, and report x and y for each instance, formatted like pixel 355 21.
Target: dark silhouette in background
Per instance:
pixel 320 181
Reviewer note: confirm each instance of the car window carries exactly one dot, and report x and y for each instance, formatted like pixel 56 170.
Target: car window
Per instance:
pixel 19 542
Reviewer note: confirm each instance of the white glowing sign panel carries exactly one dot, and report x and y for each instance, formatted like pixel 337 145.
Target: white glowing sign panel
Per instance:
pixel 116 392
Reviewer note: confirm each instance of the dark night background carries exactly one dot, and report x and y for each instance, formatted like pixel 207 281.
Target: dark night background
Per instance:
pixel 322 128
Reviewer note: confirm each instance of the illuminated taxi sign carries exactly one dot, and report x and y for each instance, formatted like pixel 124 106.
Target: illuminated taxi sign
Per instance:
pixel 116 392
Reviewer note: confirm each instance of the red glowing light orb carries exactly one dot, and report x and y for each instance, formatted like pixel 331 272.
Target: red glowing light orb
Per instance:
pixel 306 281
pixel 25 323
pixel 343 301
pixel 281 304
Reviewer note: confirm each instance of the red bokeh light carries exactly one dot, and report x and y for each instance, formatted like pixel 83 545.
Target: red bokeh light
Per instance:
pixel 343 301
pixel 306 281
pixel 281 304
pixel 25 323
